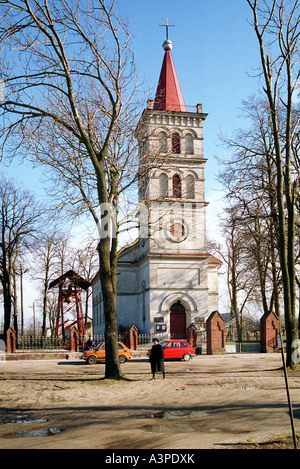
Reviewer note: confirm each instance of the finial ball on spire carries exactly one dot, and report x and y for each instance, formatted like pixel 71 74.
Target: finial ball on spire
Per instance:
pixel 167 45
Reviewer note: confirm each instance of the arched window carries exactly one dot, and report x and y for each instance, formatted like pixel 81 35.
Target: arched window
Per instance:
pixel 176 186
pixel 190 187
pixel 162 142
pixel 176 143
pixel 189 144
pixel 163 185
pixel 177 306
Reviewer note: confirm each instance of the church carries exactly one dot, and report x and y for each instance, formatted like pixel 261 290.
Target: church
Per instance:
pixel 167 280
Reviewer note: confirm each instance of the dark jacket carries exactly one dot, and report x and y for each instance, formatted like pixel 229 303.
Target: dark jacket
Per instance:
pixel 157 358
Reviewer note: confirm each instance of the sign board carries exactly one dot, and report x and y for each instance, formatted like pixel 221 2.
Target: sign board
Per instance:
pixel 159 319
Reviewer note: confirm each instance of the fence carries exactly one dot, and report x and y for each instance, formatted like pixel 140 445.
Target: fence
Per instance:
pixel 50 343
pixel 250 340
pixel 38 343
pixel 142 339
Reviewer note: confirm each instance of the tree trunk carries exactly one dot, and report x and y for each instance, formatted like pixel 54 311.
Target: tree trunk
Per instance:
pixel 7 297
pixel 234 305
pixel 45 298
pixel 108 277
pixel 15 302
pixel 284 250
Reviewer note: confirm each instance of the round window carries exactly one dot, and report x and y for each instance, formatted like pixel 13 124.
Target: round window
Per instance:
pixel 176 231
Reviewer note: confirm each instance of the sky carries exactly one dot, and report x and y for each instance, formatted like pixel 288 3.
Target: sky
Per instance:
pixel 216 56
pixel 215 52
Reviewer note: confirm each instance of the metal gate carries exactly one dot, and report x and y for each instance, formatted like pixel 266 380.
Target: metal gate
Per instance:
pixel 247 339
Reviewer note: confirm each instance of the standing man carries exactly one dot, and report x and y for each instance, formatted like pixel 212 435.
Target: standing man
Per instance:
pixel 157 359
pixel 89 344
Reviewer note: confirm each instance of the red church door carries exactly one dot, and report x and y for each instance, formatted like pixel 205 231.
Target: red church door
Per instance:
pixel 177 321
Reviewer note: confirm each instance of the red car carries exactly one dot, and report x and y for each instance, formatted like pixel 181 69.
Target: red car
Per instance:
pixel 177 349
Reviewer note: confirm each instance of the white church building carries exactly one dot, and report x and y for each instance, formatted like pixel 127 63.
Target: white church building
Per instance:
pixel 166 279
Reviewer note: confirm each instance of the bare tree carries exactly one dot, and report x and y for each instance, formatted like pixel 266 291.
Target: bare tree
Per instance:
pixel 86 263
pixel 70 80
pixel 276 26
pixel 49 263
pixel 19 218
pixel 234 252
pixel 249 178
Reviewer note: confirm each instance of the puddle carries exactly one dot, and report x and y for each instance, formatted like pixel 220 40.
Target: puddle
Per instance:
pixel 186 421
pixel 175 428
pixel 25 419
pixel 188 428
pixel 180 424
pixel 249 388
pixel 42 432
pixel 175 414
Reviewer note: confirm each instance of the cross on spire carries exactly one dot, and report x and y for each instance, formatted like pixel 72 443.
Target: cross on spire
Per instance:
pixel 167 25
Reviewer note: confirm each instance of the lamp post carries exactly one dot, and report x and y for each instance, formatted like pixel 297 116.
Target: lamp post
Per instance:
pixel 280 346
pixel 21 272
pixel 33 312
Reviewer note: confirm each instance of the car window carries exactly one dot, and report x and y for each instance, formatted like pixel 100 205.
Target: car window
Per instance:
pixel 100 346
pixel 172 345
pixel 183 344
pixel 120 347
pixel 164 343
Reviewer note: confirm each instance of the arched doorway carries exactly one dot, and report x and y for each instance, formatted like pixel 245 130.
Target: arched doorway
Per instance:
pixel 177 321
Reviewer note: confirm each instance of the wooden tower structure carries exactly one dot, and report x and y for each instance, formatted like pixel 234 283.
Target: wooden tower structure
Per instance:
pixel 69 286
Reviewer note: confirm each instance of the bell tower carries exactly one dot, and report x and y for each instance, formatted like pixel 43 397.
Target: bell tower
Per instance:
pixel 171 135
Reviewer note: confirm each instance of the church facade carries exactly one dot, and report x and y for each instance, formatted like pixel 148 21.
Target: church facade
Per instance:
pixel 166 279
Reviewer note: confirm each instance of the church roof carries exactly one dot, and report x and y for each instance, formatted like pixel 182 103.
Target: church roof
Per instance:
pixel 168 94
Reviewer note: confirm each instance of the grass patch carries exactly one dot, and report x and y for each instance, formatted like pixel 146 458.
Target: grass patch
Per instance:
pixel 294 370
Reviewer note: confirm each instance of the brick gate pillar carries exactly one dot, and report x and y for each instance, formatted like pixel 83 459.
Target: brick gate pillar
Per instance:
pixel 131 337
pixel 191 335
pixel 269 329
pixel 10 340
pixel 215 331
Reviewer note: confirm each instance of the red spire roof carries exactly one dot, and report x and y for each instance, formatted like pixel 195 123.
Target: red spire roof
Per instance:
pixel 168 94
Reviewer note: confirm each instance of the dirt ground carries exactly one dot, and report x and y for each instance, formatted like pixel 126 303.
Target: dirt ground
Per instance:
pixel 210 402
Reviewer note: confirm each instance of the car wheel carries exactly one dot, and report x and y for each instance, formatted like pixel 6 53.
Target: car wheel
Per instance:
pixel 186 357
pixel 122 358
pixel 92 360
